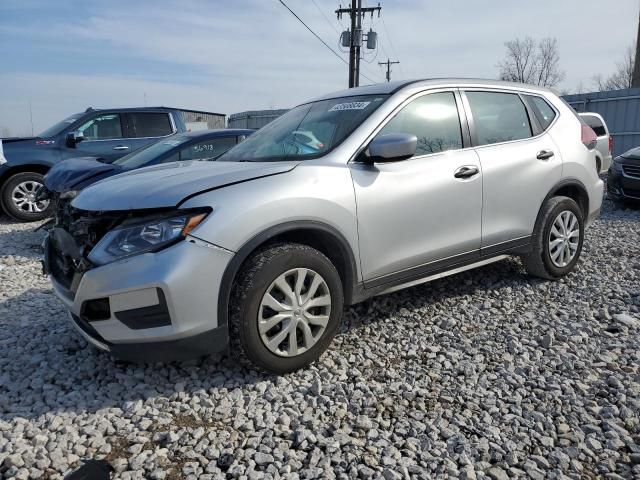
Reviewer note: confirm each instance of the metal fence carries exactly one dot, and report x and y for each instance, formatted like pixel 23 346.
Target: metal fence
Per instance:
pixel 254 118
pixel 213 120
pixel 619 108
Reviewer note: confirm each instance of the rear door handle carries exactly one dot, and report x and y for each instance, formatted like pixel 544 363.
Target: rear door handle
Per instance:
pixel 121 147
pixel 544 154
pixel 466 171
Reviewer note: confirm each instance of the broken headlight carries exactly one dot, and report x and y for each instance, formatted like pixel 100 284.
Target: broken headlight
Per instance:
pixel 149 236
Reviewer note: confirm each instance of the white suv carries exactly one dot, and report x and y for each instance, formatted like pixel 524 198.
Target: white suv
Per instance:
pixel 260 251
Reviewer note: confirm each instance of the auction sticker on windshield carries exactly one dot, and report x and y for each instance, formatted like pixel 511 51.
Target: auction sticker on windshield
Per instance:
pixel 349 106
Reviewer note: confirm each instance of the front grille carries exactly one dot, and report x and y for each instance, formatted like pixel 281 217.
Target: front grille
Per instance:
pixel 631 170
pixel 630 192
pixel 60 268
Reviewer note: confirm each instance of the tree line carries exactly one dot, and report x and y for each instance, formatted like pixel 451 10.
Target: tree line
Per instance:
pixel 538 62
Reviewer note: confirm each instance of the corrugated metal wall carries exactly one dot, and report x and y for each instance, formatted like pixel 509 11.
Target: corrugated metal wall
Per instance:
pixel 214 120
pixel 619 108
pixel 254 118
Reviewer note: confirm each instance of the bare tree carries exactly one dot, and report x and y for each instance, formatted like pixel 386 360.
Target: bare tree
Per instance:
pixel 529 62
pixel 622 77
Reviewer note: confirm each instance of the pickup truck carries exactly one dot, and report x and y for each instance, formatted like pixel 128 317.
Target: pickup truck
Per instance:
pixel 107 134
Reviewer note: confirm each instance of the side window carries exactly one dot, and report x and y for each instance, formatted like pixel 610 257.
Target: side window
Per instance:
pixel 102 127
pixel 595 124
pixel 498 117
pixel 209 150
pixel 542 110
pixel 150 124
pixel 433 118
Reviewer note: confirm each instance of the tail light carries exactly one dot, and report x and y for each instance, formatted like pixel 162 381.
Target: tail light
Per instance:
pixel 610 144
pixel 589 138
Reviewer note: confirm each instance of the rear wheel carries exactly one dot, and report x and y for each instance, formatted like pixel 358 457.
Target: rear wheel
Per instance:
pixel 19 197
pixel 557 239
pixel 286 308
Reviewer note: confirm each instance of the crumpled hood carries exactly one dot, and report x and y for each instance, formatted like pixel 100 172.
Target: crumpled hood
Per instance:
pixel 165 186
pixel 75 172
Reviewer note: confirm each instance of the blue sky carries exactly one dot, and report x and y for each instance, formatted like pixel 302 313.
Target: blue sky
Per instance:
pixel 229 56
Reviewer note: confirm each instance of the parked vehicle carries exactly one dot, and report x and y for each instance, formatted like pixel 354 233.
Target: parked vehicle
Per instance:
pixel 65 179
pixel 260 251
pixel 623 181
pixel 604 147
pixel 106 133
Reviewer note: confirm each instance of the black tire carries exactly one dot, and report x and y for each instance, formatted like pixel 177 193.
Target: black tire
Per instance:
pixel 539 263
pixel 252 282
pixel 10 207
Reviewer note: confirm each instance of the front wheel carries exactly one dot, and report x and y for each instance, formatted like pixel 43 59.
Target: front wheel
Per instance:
pixel 286 308
pixel 557 239
pixel 19 197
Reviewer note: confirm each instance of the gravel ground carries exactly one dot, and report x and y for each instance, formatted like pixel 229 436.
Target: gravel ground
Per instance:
pixel 487 374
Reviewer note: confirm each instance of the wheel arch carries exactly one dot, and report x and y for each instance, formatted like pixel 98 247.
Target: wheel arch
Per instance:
pixel 23 168
pixel 318 235
pixel 574 189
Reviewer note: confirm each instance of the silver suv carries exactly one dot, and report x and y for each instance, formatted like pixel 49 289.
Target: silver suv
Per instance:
pixel 260 251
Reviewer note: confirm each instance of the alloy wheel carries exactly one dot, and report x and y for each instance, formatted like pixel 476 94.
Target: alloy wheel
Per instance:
pixel 294 312
pixel 24 197
pixel 564 238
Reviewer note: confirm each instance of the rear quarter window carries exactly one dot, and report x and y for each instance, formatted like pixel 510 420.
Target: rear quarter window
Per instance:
pixel 542 110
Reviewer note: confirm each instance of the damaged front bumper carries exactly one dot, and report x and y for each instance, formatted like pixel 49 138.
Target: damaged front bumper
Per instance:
pixel 157 306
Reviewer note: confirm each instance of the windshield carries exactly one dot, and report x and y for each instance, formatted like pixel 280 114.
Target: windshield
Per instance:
pixel 307 131
pixel 148 154
pixel 60 126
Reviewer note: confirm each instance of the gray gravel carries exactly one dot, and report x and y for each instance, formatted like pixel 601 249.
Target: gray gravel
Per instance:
pixel 487 374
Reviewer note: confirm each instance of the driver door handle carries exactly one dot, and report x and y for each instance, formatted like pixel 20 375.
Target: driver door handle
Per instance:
pixel 544 154
pixel 466 171
pixel 121 147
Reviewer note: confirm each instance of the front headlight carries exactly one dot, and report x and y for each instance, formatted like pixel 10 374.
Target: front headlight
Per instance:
pixel 150 236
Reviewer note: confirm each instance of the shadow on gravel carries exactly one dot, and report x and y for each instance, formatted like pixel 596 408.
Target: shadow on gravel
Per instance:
pixel 505 273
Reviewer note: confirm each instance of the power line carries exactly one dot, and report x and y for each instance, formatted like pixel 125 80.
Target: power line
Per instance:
pixel 326 18
pixel 318 37
pixel 393 49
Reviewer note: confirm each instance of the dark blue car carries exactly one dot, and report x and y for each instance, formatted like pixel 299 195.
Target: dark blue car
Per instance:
pixel 100 133
pixel 68 177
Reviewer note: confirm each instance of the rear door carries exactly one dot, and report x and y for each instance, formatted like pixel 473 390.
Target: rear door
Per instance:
pixel 144 128
pixel 520 164
pixel 103 137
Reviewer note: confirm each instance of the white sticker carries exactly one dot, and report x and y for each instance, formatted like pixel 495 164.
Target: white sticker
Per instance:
pixel 173 143
pixel 349 106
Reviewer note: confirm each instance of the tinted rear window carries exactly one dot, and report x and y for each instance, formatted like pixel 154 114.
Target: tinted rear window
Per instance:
pixel 595 124
pixel 150 124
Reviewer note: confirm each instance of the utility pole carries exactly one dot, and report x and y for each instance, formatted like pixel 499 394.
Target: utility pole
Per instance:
pixel 354 37
pixel 635 79
pixel 388 63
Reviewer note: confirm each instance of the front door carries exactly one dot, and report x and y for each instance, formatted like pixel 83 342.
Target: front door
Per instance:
pixel 103 137
pixel 420 214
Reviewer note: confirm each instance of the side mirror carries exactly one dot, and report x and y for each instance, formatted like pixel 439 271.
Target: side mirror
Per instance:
pixel 392 147
pixel 73 138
